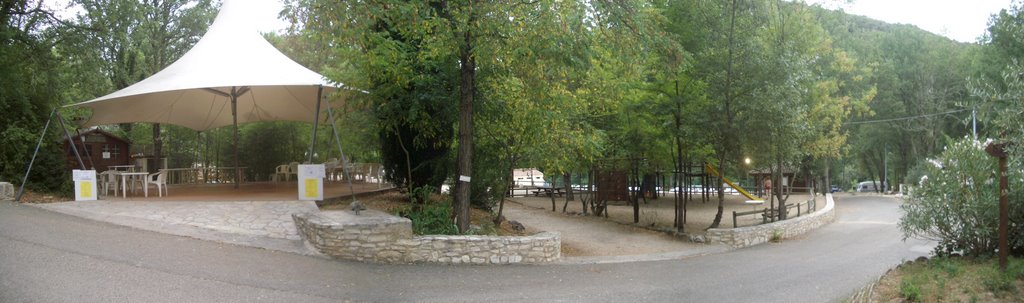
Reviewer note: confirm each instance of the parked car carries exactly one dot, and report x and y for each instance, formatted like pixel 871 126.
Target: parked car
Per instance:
pixel 835 189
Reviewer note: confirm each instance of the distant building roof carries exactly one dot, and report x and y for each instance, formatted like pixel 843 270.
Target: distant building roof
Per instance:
pixel 96 131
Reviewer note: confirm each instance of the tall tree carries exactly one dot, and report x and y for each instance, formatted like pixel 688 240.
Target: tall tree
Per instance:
pixel 131 40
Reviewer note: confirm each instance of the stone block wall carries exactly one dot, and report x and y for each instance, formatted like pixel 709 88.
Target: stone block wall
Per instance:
pixel 375 236
pixel 757 234
pixel 6 191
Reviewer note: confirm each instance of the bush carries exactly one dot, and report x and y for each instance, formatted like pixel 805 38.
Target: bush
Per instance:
pixel 433 218
pixel 909 290
pixel 956 202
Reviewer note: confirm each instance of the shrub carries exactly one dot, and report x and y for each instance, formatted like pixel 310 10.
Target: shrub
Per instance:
pixel 431 219
pixel 909 290
pixel 956 203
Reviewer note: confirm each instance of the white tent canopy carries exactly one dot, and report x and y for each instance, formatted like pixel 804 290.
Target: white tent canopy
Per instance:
pixel 196 91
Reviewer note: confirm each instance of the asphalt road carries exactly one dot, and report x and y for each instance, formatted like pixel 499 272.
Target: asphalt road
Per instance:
pixel 50 257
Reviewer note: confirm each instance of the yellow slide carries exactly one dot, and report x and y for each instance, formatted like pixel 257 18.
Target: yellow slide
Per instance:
pixel 714 171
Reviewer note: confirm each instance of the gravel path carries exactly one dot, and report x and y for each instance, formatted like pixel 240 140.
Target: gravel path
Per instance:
pixel 584 236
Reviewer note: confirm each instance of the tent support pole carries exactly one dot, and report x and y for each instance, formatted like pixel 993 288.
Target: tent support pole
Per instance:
pixel 71 141
pixel 24 179
pixel 234 118
pixel 344 168
pixel 88 154
pixel 316 122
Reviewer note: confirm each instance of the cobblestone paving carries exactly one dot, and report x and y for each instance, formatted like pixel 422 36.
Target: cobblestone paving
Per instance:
pixel 255 218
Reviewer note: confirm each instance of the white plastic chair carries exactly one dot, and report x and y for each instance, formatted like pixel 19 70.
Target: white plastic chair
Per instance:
pixel 281 172
pixel 329 167
pixel 293 169
pixel 160 180
pixel 109 181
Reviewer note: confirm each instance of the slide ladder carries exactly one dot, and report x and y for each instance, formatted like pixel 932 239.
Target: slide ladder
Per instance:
pixel 714 171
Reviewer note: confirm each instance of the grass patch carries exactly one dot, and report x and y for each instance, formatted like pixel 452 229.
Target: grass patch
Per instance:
pixel 952 280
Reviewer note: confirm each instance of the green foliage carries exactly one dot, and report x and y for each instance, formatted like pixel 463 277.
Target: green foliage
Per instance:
pixel 434 218
pixel 944 264
pixel 956 279
pixel 421 195
pixel 30 88
pixel 997 281
pixel 776 236
pixel 957 204
pixel 910 290
pixel 914 73
pixel 1004 32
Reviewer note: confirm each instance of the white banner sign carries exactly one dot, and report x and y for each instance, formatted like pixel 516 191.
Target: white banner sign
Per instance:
pixel 311 182
pixel 85 184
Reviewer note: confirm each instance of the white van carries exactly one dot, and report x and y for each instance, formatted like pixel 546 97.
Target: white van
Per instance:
pixel 868 186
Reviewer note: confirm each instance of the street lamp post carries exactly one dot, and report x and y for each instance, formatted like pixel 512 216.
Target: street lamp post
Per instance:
pixel 747 169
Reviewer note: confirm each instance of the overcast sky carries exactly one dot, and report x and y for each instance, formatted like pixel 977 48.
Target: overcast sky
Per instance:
pixel 961 20
pixel 267 10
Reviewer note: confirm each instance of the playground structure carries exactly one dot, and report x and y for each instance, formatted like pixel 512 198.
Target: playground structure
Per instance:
pixel 711 170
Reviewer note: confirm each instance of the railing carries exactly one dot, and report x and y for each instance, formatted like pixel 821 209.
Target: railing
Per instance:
pixel 203 175
pixel 771 214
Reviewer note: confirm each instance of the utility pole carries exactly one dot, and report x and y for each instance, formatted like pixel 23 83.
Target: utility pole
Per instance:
pixel 974 122
pixel 885 168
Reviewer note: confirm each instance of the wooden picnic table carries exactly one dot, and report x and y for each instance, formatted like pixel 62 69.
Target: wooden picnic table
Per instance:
pixel 548 191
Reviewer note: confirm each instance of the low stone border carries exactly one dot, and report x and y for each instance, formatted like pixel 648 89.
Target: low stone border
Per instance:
pixel 346 199
pixel 757 234
pixel 6 191
pixel 375 236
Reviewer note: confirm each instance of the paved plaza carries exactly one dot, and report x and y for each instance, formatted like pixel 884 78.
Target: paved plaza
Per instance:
pixel 266 224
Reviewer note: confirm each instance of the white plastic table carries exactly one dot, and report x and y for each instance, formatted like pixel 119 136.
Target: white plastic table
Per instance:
pixel 124 181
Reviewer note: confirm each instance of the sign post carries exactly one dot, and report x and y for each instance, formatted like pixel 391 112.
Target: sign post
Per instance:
pixel 85 184
pixel 311 182
pixel 999 151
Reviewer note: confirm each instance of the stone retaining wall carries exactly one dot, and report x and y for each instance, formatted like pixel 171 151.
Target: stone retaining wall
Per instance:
pixel 375 236
pixel 757 234
pixel 6 191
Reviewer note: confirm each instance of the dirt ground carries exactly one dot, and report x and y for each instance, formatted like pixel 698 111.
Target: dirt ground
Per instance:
pixel 658 213
pixel 589 236
pixel 585 235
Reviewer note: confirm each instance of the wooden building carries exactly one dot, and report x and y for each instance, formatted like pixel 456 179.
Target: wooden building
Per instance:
pixel 99 151
pixel 791 180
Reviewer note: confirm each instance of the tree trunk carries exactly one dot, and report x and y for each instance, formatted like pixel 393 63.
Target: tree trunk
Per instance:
pixel 567 177
pixel 778 190
pixel 635 193
pixel 158 145
pixel 510 187
pixel 408 166
pixel 686 185
pixel 551 194
pixel 467 89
